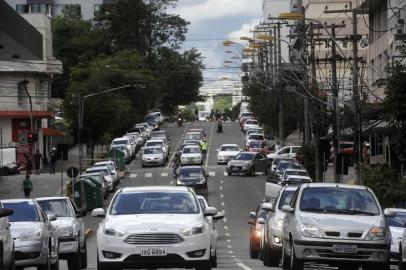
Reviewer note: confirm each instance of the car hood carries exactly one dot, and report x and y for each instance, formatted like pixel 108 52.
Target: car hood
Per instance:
pixel 152 156
pixel 238 162
pixel 190 155
pixel 159 222
pixel 228 153
pixel 61 222
pixel 17 228
pixel 348 223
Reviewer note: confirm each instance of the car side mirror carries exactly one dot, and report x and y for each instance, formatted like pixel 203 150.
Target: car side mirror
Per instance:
pixel 252 215
pixel 210 211
pixel 390 213
pixel 218 150
pixel 267 206
pixel 5 212
pixel 51 217
pixel 80 213
pixel 218 216
pixel 99 212
pixel 287 208
pixel 261 221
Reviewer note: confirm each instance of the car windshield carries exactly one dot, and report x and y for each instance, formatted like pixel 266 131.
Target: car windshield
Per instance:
pixel 255 144
pixel 59 208
pixel 96 170
pixel 154 150
pixel 192 142
pixel 229 148
pixel 192 137
pixel 23 211
pixel 120 142
pixel 397 221
pixel 301 173
pixel 337 200
pixel 296 181
pixel 287 165
pixel 191 172
pixel 191 150
pixel 154 203
pixel 245 156
pixel 154 144
pixel 251 122
pixel 285 199
pixel 256 137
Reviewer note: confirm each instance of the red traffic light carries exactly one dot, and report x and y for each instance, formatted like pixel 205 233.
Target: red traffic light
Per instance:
pixel 32 137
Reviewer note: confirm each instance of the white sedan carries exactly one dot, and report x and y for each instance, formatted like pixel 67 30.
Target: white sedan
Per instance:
pixel 227 152
pixel 154 227
pixel 191 155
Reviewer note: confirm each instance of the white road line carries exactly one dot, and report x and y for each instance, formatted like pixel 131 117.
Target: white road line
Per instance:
pixel 133 175
pixel 221 188
pixel 221 195
pixel 208 150
pixel 228 240
pixel 221 182
pixel 181 138
pixel 225 227
pixel 230 252
pixel 212 173
pixel 148 175
pixel 222 203
pixel 164 174
pixel 225 174
pixel 225 220
pixel 227 234
pixel 171 182
pixel 229 246
pixel 243 266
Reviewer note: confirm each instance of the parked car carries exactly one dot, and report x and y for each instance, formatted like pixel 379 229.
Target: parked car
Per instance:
pixel 297 180
pixel 287 152
pixel 145 128
pixel 112 167
pixel 191 155
pixel 125 141
pixel 35 244
pixel 335 224
pixel 7 258
pixel 289 172
pixel 195 177
pixel 402 252
pixel 137 138
pixel 248 163
pixel 254 137
pixel 271 248
pixel 227 152
pixel 256 229
pixel 397 225
pixel 257 146
pixel 102 179
pixel 250 123
pixel 193 136
pixel 153 155
pixel 283 165
pixel 277 160
pixel 173 232
pixel 200 130
pixel 141 131
pixel 124 150
pixel 111 182
pixel 69 228
pixel 159 142
pixel 253 131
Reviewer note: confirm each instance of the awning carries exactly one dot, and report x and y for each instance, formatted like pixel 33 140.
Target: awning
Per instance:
pixel 26 114
pixel 52 132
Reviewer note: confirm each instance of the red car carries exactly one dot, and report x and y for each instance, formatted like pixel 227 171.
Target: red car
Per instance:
pixel 257 229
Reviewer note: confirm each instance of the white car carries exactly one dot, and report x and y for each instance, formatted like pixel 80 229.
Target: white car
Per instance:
pixel 155 226
pixel 397 225
pixel 402 251
pixel 111 183
pixel 153 155
pixel 6 240
pixel 191 155
pixel 227 152
pixel 251 123
pixel 137 137
pixel 110 164
pixel 254 130
pixel 69 228
pixel 288 151
pixel 160 142
pixel 125 141
pixel 254 137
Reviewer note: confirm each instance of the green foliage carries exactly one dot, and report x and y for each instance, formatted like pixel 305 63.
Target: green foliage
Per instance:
pixel 72 12
pixel 307 154
pixel 385 183
pixel 223 102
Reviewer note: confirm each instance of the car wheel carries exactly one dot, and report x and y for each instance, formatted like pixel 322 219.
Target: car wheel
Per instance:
pixel 253 252
pixel 213 260
pixel 295 263
pixel 100 265
pixel 285 259
pixel 83 259
pixel 46 266
pixel 74 260
pixel 271 258
pixel 204 266
pixel 229 173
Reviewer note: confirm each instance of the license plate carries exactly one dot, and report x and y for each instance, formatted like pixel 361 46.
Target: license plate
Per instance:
pixel 348 249
pixel 153 252
pixel 236 169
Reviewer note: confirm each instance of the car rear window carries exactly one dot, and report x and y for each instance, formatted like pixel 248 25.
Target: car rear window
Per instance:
pixel 23 211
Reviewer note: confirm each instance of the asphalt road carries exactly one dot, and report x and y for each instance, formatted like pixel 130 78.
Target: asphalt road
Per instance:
pixel 236 195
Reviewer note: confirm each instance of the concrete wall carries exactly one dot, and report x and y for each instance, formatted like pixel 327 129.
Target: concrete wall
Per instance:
pixel 43 24
pixel 5 124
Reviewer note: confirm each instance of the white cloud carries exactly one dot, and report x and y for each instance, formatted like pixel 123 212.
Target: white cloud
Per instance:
pixel 211 9
pixel 245 29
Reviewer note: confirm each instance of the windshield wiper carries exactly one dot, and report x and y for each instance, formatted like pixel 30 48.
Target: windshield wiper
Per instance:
pixel 312 209
pixel 350 212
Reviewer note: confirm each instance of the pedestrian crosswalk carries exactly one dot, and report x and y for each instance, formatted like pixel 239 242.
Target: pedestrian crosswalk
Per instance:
pixel 164 174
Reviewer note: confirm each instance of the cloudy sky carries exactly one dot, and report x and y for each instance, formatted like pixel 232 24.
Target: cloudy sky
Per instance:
pixel 213 21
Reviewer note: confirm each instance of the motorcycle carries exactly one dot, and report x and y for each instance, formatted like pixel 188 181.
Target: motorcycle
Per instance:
pixel 180 121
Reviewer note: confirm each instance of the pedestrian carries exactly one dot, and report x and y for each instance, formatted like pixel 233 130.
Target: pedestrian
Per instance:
pixel 37 161
pixel 52 158
pixel 27 186
pixel 196 114
pixel 277 146
pixel 212 115
pixel 28 164
pixel 175 164
pixel 219 126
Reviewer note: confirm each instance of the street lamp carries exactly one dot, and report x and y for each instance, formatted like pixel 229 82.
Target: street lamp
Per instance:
pixel 249 50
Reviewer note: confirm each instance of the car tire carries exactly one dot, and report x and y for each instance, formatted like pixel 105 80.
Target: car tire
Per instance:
pixel 253 252
pixel 100 265
pixel 251 172
pixel 83 259
pixel 285 259
pixel 205 266
pixel 271 258
pixel 46 266
pixel 295 263
pixel 74 260
pixel 229 173
pixel 348 267
pixel 213 260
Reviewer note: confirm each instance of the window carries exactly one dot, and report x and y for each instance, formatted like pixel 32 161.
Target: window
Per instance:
pixel 20 8
pixel 39 8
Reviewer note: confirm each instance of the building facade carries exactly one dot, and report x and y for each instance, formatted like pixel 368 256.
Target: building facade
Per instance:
pixel 26 70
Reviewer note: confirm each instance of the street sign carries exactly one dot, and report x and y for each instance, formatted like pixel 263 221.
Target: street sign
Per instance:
pixel 72 172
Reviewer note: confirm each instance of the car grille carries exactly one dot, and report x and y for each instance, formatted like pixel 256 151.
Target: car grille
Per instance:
pixel 236 168
pixel 360 255
pixel 154 239
pixel 20 256
pixel 349 235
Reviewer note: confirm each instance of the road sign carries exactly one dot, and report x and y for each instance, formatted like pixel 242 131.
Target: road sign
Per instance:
pixel 72 172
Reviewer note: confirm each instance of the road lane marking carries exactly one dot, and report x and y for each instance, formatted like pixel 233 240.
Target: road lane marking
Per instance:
pixel 133 175
pixel 210 140
pixel 227 234
pixel 225 174
pixel 229 246
pixel 225 227
pixel 221 188
pixel 164 174
pixel 243 266
pixel 148 175
pixel 230 252
pixel 221 182
pixel 212 173
pixel 225 220
pixel 228 240
pixel 221 195
pixel 171 182
pixel 222 203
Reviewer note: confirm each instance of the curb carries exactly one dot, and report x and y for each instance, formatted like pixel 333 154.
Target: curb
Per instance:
pixel 88 232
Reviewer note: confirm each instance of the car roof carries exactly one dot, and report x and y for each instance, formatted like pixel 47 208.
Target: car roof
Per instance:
pixel 402 210
pixel 335 185
pixel 230 144
pixel 91 174
pixel 191 167
pixel 299 176
pixel 104 162
pixel 154 188
pixel 120 139
pixel 295 170
pixel 17 200
pixel 97 168
pixel 191 146
pixel 193 132
pixel 260 134
pixel 155 140
pixel 52 198
pixel 153 146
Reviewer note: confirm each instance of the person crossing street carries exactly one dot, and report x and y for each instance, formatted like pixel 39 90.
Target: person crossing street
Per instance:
pixel 27 186
pixel 175 164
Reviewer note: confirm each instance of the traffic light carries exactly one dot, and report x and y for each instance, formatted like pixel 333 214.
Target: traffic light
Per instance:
pixel 32 137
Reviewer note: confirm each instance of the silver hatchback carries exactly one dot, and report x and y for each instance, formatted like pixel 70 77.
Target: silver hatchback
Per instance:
pixel 341 225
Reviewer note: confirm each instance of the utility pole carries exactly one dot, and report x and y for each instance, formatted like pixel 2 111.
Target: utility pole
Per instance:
pixel 280 90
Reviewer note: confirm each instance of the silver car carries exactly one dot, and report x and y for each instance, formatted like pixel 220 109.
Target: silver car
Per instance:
pixel 7 243
pixel 191 155
pixel 69 228
pixel 341 225
pixel 397 225
pixel 402 251
pixel 153 155
pixel 35 243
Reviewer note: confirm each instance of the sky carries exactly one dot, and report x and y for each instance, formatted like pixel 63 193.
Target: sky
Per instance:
pixel 212 22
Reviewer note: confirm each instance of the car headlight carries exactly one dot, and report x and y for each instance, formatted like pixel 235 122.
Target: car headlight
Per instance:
pixel 197 158
pixel 220 157
pixel 245 165
pixel 31 236
pixel 376 233
pixel 310 230
pixel 277 223
pixel 202 180
pixel 65 232
pixel 113 232
pixel 197 229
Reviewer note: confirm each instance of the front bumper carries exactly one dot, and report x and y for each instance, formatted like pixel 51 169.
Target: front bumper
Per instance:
pixel 68 245
pixel 191 161
pixel 322 251
pixel 153 162
pixel 30 253
pixel 224 159
pixel 238 169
